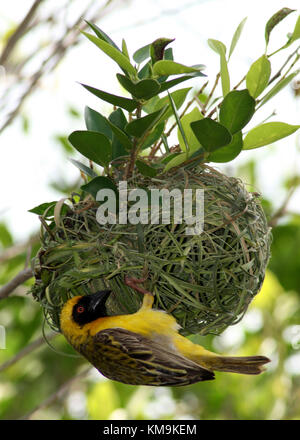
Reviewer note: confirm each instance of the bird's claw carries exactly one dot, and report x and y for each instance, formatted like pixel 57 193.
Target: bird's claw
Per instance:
pixel 132 282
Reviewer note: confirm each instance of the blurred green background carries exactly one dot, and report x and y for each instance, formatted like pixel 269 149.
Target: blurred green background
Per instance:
pixel 42 382
pixel 270 327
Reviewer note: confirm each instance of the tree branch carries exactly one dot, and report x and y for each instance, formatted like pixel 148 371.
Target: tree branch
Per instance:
pixel 18 249
pixel 57 51
pixel 282 210
pixel 25 351
pixel 19 32
pixel 22 276
pixel 278 74
pixel 57 394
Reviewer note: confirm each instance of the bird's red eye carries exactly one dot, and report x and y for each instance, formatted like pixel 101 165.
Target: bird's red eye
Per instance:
pixel 80 309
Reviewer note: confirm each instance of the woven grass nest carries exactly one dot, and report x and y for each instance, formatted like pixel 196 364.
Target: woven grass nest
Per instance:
pixel 205 281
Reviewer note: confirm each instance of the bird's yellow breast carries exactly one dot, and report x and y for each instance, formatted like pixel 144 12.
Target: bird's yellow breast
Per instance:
pixel 144 322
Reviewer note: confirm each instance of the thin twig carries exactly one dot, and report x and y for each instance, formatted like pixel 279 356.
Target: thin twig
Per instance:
pixel 59 49
pixel 277 74
pixel 25 351
pixel 22 276
pixel 211 92
pixel 19 32
pixel 18 249
pixel 218 106
pixel 282 210
pixel 239 83
pixel 57 394
pixel 213 111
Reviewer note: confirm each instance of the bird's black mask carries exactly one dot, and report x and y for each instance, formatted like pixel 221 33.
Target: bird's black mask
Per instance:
pixel 90 307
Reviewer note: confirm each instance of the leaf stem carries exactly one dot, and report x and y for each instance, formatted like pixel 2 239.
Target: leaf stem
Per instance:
pixel 211 92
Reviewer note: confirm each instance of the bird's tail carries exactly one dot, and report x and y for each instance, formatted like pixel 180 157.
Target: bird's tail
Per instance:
pixel 241 365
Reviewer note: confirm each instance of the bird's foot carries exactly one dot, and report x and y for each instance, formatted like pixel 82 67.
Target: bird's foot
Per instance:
pixel 132 282
pixel 148 296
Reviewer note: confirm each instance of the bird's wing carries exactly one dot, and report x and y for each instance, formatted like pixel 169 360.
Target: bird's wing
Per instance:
pixel 134 359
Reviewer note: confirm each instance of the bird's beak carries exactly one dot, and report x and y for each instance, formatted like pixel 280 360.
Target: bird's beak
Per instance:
pixel 98 298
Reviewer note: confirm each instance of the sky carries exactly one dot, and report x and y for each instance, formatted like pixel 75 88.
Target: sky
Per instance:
pixel 29 162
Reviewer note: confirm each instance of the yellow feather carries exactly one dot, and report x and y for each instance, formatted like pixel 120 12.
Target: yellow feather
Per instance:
pixel 145 321
pixel 156 327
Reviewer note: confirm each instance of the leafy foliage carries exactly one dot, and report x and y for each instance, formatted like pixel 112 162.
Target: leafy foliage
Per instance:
pixel 39 374
pixel 218 136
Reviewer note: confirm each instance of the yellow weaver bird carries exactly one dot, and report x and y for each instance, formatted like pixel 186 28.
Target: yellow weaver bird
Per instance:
pixel 143 348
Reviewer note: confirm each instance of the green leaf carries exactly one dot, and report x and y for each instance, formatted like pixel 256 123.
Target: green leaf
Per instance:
pixel 153 136
pixel 121 136
pixel 268 133
pixel 296 32
pixel 146 71
pixel 216 46
pixel 113 53
pixel 169 157
pixel 157 49
pixel 144 89
pixel 151 105
pixel 278 87
pixel 145 169
pixel 274 20
pixel 211 134
pixel 127 104
pixel 194 115
pixel 126 83
pixel 48 208
pixel 198 157
pixel 40 209
pixel 86 170
pixel 236 110
pixel 230 151
pixel 165 142
pixel 139 126
pixel 175 161
pixel 178 97
pixel 125 49
pixel 102 35
pixel 292 37
pixel 142 54
pixel 168 54
pixel 94 121
pixel 99 182
pixel 112 128
pixel 173 82
pixel 93 145
pixel 118 119
pixel 220 48
pixel 258 76
pixel 168 67
pixel 178 122
pixel 236 36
